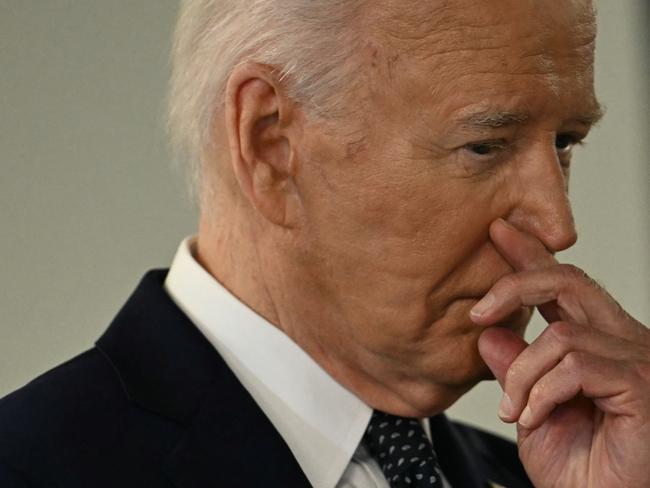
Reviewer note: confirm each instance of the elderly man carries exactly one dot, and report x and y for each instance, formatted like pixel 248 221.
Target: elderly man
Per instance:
pixel 383 186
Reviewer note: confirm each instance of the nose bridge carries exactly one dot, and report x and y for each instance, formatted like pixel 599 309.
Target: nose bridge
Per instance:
pixel 544 209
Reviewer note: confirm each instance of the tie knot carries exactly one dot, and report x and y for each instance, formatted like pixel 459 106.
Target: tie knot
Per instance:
pixel 403 451
pixel 401 433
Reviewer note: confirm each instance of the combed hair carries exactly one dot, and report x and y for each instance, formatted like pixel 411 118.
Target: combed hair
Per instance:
pixel 308 42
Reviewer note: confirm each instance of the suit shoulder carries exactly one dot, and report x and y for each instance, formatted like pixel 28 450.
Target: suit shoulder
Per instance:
pixel 10 478
pixel 80 380
pixel 60 404
pixel 499 456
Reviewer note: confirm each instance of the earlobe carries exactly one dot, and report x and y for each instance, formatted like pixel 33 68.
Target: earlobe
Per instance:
pixel 258 121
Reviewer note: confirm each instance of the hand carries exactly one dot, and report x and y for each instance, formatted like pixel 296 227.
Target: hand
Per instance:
pixel 580 392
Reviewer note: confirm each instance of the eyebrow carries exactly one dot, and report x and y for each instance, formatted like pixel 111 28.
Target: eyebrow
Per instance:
pixel 497 119
pixel 592 117
pixel 493 120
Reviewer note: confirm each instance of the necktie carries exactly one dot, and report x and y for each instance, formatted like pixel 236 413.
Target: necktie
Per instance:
pixel 403 451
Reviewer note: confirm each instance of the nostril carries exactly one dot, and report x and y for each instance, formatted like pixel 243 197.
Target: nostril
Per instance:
pixel 561 241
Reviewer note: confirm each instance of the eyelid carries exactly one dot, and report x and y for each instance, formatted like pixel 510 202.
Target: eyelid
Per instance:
pixel 578 136
pixel 494 144
pixel 575 139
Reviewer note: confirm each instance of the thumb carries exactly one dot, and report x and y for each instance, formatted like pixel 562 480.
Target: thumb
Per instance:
pixel 499 347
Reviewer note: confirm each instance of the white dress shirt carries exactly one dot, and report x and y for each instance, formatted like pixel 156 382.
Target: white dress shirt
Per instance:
pixel 321 421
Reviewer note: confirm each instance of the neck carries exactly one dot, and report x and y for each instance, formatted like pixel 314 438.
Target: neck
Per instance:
pixel 228 249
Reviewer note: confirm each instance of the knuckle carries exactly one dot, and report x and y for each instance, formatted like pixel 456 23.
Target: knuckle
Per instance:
pixel 574 361
pixel 537 393
pixel 509 281
pixel 643 370
pixel 644 335
pixel 571 271
pixel 563 332
pixel 513 376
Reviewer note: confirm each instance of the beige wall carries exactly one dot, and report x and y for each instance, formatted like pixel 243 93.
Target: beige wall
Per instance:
pixel 88 201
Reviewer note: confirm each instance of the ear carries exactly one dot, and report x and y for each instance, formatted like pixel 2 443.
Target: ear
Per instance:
pixel 260 121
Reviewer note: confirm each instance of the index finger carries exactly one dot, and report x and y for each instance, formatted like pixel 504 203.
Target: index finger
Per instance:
pixel 575 297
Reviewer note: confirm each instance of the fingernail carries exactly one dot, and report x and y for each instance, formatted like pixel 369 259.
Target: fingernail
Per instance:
pixel 526 417
pixel 505 409
pixel 482 307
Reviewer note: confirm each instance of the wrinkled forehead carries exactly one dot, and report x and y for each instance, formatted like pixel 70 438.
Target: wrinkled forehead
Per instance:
pixel 454 22
pixel 541 49
pixel 540 31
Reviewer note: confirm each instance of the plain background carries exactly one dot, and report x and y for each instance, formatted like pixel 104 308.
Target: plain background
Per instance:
pixel 89 200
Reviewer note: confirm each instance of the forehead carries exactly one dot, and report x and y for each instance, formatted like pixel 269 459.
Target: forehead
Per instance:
pixel 531 52
pixel 445 24
pixel 426 17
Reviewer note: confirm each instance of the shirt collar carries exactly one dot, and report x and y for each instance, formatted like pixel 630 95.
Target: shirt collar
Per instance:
pixel 321 421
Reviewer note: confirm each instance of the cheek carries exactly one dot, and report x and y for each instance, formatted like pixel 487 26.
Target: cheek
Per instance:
pixel 386 228
pixel 394 239
pixel 422 231
pixel 397 223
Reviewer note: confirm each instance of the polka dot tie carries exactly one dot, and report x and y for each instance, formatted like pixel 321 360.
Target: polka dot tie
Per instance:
pixel 403 451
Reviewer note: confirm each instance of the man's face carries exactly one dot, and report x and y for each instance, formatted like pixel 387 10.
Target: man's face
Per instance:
pixel 467 113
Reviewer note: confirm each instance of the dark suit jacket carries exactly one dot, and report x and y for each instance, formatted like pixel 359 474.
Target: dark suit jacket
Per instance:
pixel 153 405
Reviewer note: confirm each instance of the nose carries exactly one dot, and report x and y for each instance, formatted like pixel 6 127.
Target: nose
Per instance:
pixel 543 208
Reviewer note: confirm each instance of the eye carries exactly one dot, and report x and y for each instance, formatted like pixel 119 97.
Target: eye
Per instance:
pixel 487 148
pixel 564 143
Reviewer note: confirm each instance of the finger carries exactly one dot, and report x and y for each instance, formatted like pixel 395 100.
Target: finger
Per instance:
pixel 525 252
pixel 613 385
pixel 499 347
pixel 544 353
pixel 577 298
pixel 533 288
pixel 522 251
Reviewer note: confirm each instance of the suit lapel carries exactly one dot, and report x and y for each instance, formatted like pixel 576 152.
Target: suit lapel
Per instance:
pixel 167 367
pixel 472 458
pixel 229 444
pixel 458 462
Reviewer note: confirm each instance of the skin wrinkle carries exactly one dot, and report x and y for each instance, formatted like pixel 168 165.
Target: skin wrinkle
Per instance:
pixel 440 45
pixel 425 22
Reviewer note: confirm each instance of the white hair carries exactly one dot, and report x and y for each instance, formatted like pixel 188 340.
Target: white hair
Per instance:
pixel 308 42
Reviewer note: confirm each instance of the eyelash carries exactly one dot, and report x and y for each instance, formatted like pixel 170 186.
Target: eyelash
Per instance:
pixel 572 139
pixel 476 148
pixel 490 146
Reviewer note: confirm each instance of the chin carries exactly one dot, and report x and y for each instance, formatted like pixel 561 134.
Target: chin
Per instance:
pixel 424 401
pixel 466 367
pixel 442 394
pixel 458 363
pixel 440 382
pixel 449 365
